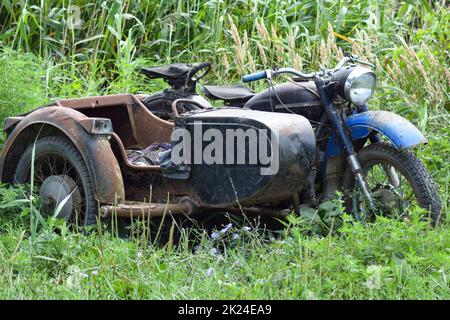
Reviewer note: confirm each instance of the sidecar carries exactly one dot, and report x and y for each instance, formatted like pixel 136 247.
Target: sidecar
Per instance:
pixel 112 155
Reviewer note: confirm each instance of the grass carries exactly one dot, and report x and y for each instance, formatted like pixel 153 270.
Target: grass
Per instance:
pixel 390 260
pixel 22 87
pixel 43 58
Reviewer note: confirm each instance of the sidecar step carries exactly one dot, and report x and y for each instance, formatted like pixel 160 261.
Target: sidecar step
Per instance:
pixel 145 209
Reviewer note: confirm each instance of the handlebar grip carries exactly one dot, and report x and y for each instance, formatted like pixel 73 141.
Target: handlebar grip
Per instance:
pixel 199 66
pixel 254 76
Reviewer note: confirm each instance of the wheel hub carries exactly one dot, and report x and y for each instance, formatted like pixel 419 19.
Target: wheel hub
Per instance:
pixel 385 195
pixel 390 199
pixel 56 189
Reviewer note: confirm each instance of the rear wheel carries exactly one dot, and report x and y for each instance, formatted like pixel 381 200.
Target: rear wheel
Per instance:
pixel 397 181
pixel 62 180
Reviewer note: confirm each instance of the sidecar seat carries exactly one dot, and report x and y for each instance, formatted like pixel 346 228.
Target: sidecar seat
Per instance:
pixel 235 95
pixel 149 156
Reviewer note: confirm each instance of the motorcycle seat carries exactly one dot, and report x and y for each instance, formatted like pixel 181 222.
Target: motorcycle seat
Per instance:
pixel 169 72
pixel 228 93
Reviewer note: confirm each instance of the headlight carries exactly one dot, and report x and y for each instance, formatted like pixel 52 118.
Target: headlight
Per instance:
pixel 359 85
pixel 356 84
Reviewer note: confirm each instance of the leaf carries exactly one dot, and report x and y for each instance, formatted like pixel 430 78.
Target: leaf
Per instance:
pixel 15 203
pixel 62 204
pixel 310 214
pixel 340 36
pixel 89 39
pixel 114 32
pixel 340 18
pixel 45 258
pixel 25 212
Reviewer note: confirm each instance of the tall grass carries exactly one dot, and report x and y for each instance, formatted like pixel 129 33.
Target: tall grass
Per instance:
pixel 389 260
pixel 104 44
pixel 101 50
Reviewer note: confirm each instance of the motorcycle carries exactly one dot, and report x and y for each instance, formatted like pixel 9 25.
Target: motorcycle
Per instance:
pixel 362 153
pixel 111 155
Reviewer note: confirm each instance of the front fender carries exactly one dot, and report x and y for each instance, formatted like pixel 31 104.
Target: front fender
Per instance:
pixel 95 149
pixel 399 131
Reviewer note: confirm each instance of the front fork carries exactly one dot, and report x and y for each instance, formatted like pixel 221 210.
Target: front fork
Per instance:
pixel 326 90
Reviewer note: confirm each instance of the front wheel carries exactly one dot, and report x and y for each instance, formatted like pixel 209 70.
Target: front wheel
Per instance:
pixel 397 180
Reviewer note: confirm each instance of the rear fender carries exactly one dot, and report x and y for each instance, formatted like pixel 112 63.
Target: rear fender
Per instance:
pixel 89 135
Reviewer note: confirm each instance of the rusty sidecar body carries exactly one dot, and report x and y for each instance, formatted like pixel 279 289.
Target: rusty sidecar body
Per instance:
pixel 120 156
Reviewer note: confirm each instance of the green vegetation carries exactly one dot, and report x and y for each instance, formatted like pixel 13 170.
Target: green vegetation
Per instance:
pixel 44 55
pixel 22 88
pixel 388 260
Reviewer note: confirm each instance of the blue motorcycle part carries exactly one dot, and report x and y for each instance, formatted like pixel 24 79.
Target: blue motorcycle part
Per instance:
pixel 399 131
pixel 254 76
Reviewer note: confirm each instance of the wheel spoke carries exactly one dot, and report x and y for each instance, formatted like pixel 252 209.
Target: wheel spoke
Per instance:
pixel 57 165
pixel 39 174
pixel 391 195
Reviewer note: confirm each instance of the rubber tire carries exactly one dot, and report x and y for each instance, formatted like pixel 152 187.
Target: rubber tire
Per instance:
pixel 63 147
pixel 410 167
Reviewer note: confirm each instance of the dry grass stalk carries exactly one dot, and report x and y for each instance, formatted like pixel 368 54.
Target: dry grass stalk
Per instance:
pixel 297 63
pixel 357 47
pixel 330 42
pixel 225 63
pixel 291 48
pixel 247 54
pixel 278 45
pixel 324 57
pixel 262 54
pixel 238 46
pixel 263 33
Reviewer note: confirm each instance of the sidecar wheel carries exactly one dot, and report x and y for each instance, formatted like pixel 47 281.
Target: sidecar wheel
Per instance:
pixel 413 185
pixel 60 174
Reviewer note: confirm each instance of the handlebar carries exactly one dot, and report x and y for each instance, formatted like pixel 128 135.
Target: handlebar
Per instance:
pixel 269 73
pixel 196 68
pixel 201 65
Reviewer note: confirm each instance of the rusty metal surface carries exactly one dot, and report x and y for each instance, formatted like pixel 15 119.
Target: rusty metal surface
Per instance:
pixel 149 127
pixel 224 185
pixel 97 126
pixel 125 160
pixel 10 122
pixel 96 101
pixel 95 150
pixel 148 210
pixel 134 126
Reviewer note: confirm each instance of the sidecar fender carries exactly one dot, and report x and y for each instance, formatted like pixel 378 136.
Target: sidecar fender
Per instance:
pixel 94 148
pixel 399 131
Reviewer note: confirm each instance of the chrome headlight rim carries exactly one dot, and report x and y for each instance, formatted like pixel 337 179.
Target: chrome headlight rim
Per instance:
pixel 352 77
